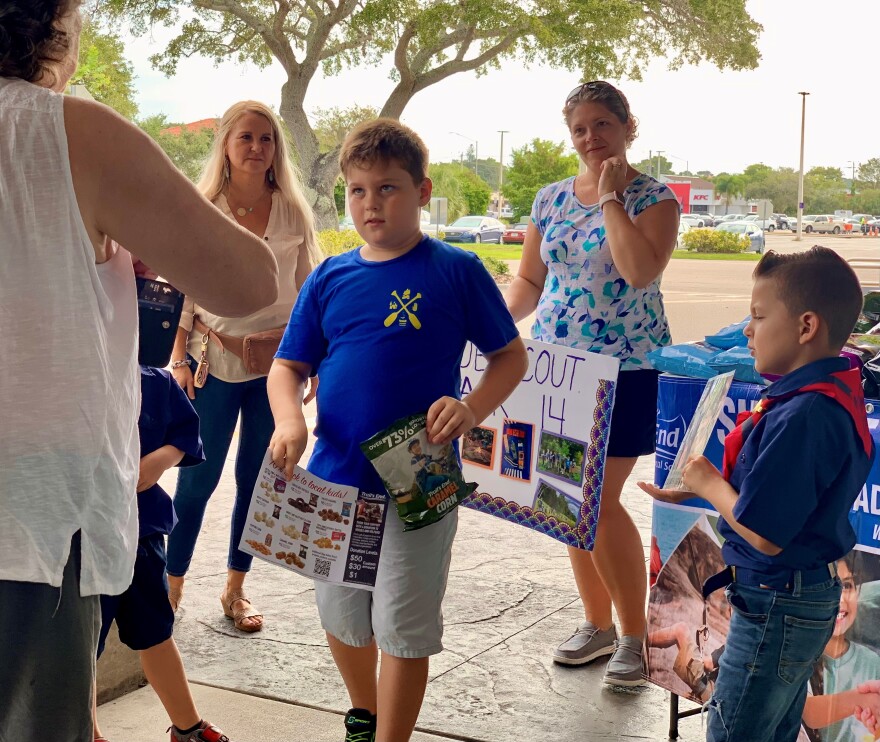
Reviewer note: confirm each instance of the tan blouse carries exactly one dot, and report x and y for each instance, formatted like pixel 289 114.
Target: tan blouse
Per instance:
pixel 285 237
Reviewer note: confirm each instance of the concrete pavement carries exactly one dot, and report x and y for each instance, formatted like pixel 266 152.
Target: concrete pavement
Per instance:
pixel 510 600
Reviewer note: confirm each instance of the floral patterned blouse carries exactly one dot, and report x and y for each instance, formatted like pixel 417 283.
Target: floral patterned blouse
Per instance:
pixel 586 303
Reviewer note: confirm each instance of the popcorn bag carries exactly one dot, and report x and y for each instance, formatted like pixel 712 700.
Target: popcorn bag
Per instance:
pixel 424 480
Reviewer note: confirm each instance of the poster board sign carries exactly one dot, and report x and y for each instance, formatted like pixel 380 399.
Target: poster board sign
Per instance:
pixel 686 638
pixel 703 423
pixel 321 530
pixel 539 459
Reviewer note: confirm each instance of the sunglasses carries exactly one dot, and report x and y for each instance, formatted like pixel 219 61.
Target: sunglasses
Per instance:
pixel 595 86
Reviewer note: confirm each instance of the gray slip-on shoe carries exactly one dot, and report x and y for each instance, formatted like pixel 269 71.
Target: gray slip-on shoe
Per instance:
pixel 585 645
pixel 625 668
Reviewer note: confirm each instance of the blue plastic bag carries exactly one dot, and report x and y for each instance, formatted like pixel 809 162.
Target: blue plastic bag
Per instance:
pixel 730 337
pixel 686 359
pixel 740 361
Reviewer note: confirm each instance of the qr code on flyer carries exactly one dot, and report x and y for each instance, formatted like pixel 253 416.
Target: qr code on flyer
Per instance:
pixel 322 567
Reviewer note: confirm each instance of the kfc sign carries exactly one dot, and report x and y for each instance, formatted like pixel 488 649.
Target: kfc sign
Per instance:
pixel 700 197
pixel 682 192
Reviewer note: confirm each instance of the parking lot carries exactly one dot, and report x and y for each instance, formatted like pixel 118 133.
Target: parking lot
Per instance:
pixel 702 296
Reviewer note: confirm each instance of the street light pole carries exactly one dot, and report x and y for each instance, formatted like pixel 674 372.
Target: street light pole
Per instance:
pixel 800 212
pixel 476 150
pixel 852 183
pixel 659 152
pixel 501 172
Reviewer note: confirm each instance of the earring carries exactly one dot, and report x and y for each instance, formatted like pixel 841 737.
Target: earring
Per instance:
pixel 226 169
pixel 270 175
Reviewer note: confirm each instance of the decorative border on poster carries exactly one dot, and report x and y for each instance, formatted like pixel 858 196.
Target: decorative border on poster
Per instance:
pixel 584 535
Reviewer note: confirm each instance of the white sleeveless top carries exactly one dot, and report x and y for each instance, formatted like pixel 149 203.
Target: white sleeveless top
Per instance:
pixel 69 384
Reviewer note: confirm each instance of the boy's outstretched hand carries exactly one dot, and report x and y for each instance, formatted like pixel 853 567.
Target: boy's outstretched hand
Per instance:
pixel 288 443
pixel 449 418
pixel 698 476
pixel 673 496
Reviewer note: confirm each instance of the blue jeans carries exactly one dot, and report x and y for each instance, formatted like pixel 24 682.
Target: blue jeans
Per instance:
pixel 219 404
pixel 775 638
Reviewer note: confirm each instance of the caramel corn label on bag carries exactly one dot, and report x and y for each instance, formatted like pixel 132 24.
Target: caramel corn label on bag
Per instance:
pixel 424 480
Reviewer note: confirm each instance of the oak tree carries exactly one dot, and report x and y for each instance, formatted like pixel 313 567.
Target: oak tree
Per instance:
pixel 427 41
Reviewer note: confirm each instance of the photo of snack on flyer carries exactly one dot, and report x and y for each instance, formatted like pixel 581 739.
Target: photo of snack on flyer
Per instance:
pixel 424 479
pixel 321 530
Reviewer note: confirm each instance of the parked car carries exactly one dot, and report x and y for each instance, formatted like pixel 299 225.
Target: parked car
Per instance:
pixel 515 234
pixel 782 221
pixel 696 220
pixel 475 229
pixel 768 224
pixel 729 218
pixel 824 223
pixel 806 223
pixel 752 230
pixel 683 227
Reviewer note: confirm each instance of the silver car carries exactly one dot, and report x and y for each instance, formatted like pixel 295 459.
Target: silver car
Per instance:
pixel 752 230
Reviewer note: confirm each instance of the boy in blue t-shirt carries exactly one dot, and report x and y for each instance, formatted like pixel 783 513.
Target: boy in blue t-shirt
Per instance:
pixel 168 428
pixel 385 326
pixel 792 470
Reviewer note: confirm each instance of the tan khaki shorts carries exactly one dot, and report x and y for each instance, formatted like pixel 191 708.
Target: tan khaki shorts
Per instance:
pixel 403 612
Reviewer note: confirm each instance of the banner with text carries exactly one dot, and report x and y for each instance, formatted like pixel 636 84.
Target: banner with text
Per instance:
pixel 686 636
pixel 539 459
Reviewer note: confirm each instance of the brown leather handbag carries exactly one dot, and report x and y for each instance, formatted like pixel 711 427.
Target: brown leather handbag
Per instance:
pixel 257 350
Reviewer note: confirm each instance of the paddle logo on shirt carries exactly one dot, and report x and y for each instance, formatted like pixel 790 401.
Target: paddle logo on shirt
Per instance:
pixel 403 309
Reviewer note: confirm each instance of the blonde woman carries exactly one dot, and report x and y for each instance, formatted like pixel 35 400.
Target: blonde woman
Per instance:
pixel 249 177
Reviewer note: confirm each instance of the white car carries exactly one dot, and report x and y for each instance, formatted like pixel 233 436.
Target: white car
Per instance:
pixel 683 227
pixel 768 224
pixel 695 220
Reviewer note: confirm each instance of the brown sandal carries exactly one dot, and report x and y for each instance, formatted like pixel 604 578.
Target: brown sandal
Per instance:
pixel 238 616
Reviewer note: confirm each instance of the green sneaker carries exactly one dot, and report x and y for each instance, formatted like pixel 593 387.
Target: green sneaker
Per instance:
pixel 360 726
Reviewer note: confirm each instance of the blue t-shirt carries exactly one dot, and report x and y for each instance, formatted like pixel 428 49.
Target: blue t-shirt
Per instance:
pixel 167 418
pixel 386 339
pixel 586 303
pixel 797 476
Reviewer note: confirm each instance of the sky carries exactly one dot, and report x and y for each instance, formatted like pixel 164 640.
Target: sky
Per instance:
pixel 700 117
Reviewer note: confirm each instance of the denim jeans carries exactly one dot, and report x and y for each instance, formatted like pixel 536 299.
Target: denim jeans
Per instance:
pixel 219 404
pixel 775 638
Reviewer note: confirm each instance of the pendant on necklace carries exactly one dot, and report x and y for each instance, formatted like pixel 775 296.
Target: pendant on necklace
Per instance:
pixel 241 211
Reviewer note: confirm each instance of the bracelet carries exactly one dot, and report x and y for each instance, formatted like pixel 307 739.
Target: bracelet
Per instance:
pixel 180 364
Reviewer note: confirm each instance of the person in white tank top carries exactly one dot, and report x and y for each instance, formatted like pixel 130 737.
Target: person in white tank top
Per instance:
pixel 74 179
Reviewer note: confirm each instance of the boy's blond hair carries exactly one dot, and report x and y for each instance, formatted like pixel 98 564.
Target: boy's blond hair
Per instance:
pixel 384 140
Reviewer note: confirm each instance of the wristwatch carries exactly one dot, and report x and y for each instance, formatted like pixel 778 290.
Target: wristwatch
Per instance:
pixel 609 197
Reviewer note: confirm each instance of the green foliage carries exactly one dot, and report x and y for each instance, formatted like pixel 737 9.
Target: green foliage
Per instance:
pixel 824 190
pixel 532 167
pixel 495 267
pixel 869 172
pixel 188 150
pixel 339 196
pixel 464 191
pixel 104 70
pixel 649 166
pixel 714 241
pixel 428 41
pixel 336 242
pixel 331 125
pixel 729 186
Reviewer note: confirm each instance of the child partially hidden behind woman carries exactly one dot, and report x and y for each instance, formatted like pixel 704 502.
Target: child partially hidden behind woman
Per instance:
pixel 169 435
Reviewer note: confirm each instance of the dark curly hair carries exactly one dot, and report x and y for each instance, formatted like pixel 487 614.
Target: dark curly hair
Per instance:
pixel 30 38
